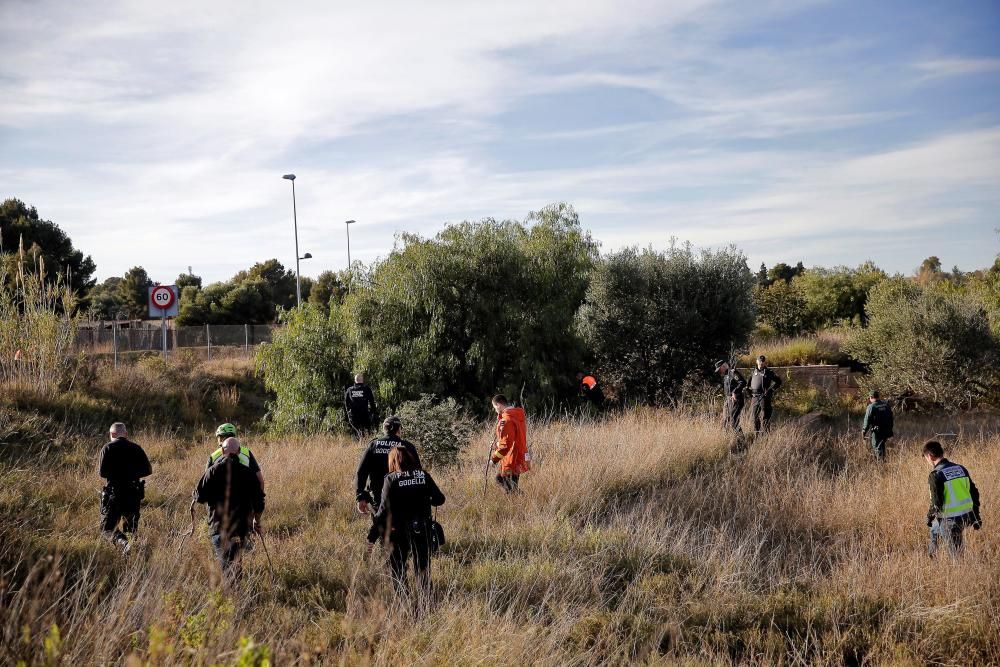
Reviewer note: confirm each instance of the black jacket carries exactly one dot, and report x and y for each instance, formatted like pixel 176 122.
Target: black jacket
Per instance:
pixel 407 498
pixel 374 466
pixel 734 383
pixel 359 401
pixel 233 495
pixel 935 483
pixel 764 382
pixel 123 462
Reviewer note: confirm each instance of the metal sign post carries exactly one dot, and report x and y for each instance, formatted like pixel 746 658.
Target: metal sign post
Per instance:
pixel 163 302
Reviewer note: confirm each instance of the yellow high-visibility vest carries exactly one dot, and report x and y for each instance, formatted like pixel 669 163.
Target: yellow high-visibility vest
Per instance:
pixel 244 455
pixel 957 492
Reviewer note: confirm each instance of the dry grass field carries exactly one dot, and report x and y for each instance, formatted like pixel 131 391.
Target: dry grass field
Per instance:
pixel 642 539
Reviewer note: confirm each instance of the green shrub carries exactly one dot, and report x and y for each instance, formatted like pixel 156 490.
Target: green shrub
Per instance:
pixel 924 340
pixel 650 317
pixel 482 307
pixel 439 428
pixel 306 366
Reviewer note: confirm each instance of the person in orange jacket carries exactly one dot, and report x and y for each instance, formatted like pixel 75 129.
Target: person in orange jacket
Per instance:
pixel 512 443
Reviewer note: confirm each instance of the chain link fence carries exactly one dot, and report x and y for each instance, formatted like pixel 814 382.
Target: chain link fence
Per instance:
pixel 213 340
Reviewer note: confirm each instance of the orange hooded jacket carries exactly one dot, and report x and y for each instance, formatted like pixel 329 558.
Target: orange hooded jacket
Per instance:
pixel 512 442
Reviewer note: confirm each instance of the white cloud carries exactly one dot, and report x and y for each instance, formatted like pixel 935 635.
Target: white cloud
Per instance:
pixel 946 67
pixel 162 129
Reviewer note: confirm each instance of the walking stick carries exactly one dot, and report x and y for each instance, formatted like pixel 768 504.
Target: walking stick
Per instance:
pixel 267 553
pixel 191 532
pixel 486 471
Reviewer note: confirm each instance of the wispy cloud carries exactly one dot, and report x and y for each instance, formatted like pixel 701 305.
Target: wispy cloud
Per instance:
pixel 157 133
pixel 945 67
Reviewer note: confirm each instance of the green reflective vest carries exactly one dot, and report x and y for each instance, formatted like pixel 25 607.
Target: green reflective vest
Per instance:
pixel 244 455
pixel 957 492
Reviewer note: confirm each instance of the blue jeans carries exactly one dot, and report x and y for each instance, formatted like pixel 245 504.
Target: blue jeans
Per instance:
pixel 949 533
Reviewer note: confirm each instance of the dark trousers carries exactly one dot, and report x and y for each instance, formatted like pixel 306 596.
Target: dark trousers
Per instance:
pixel 361 423
pixel 761 409
pixel 508 482
pixel 731 414
pixel 878 445
pixel 119 506
pixel 405 544
pixel 947 533
pixel 229 551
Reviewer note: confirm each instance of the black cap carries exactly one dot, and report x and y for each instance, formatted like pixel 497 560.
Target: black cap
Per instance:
pixel 762 358
pixel 718 364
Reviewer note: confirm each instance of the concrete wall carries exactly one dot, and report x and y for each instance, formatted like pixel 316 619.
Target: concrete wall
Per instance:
pixel 832 380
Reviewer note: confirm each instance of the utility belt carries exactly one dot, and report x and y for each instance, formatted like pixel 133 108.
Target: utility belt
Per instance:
pixel 123 492
pixel 429 530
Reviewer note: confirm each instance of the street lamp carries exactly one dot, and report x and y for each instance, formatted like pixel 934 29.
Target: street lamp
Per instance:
pixel 348 223
pixel 308 255
pixel 295 221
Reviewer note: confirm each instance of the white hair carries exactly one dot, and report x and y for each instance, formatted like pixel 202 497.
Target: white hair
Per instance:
pixel 118 429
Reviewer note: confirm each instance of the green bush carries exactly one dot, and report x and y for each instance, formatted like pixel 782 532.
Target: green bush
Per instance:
pixel 781 306
pixel 306 366
pixel 482 307
pixel 651 317
pixel 924 340
pixel 439 428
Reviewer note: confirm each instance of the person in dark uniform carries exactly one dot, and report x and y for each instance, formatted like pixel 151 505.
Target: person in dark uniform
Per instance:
pixel 359 404
pixel 123 464
pixel 374 464
pixel 733 385
pixel 235 500
pixel 763 383
pixel 404 517
pixel 878 423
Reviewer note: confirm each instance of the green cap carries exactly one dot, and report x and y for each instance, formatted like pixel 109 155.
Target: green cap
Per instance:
pixel 226 429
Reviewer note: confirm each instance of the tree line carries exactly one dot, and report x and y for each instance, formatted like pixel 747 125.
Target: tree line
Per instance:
pixel 520 306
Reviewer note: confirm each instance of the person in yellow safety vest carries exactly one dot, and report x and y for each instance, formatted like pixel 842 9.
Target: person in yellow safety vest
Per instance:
pixel 954 501
pixel 246 457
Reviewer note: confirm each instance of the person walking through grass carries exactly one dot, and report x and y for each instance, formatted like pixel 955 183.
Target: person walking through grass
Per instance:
pixel 878 424
pixel 954 502
pixel 245 456
pixel 511 450
pixel 374 464
pixel 235 500
pixel 360 407
pixel 123 464
pixel 404 518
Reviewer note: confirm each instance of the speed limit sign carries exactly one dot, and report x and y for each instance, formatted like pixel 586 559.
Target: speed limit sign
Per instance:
pixel 163 301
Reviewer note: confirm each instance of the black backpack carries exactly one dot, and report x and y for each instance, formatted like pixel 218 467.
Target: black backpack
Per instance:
pixel 882 419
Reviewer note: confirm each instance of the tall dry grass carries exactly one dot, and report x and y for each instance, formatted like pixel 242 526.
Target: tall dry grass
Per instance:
pixel 37 333
pixel 823 347
pixel 640 539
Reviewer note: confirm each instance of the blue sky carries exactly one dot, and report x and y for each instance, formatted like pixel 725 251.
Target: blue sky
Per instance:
pixel 825 132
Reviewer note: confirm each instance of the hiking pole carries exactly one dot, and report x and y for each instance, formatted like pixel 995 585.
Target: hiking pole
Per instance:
pixel 486 471
pixel 267 553
pixel 191 532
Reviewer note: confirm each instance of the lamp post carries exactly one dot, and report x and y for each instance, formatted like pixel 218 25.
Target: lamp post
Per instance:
pixel 348 223
pixel 295 221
